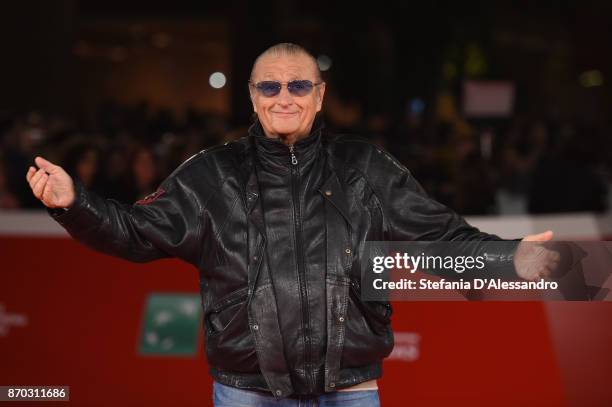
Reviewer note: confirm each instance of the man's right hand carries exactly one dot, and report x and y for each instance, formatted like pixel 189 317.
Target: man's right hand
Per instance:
pixel 51 184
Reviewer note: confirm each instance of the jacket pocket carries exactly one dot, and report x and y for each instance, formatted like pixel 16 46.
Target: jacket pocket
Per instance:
pixel 224 311
pixel 229 344
pixel 377 313
pixel 369 337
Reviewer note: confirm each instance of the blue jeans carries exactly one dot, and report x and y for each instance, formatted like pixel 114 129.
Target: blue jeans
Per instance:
pixel 227 396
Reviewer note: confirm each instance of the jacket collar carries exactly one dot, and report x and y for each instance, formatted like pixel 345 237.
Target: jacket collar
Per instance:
pixel 273 153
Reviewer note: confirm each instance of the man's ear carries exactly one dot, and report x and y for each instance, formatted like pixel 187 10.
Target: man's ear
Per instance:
pixel 252 101
pixel 320 94
pixel 252 97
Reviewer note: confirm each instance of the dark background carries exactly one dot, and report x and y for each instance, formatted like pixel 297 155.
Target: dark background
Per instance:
pixel 117 91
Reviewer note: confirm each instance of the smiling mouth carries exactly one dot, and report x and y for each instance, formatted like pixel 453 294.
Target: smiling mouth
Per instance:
pixel 285 113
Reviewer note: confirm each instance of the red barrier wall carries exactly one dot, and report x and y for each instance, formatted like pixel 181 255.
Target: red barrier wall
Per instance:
pixel 84 313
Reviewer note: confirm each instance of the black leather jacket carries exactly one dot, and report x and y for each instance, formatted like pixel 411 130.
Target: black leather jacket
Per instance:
pixel 275 236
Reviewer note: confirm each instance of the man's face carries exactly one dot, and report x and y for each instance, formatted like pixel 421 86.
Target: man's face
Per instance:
pixel 286 115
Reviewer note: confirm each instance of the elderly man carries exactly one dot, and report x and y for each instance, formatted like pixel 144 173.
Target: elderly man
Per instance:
pixel 274 223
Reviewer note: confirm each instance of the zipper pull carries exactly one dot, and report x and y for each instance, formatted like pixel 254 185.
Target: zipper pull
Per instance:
pixel 293 157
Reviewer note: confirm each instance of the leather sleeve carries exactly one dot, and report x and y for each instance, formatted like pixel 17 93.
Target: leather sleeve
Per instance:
pixel 411 215
pixel 164 224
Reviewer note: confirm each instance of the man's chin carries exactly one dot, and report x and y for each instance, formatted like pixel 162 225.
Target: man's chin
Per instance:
pixel 284 132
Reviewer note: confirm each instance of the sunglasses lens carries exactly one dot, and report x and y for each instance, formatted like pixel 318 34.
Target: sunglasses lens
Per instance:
pixel 269 88
pixel 300 88
pixel 273 88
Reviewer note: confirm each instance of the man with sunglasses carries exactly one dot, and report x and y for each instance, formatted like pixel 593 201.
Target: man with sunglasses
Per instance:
pixel 274 223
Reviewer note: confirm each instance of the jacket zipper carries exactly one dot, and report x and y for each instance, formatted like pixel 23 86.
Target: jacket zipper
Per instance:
pixel 294 160
pixel 300 265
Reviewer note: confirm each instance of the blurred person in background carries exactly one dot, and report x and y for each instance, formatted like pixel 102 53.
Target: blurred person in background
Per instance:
pixel 521 151
pixel 22 139
pixel 275 223
pixel 474 187
pixel 114 169
pixel 142 178
pixel 81 160
pixel 8 200
pixel 567 178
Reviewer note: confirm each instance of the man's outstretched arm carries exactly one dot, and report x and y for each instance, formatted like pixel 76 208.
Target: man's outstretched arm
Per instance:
pixel 165 225
pixel 413 215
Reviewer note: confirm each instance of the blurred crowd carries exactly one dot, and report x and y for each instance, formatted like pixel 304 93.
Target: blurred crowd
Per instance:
pixel 516 165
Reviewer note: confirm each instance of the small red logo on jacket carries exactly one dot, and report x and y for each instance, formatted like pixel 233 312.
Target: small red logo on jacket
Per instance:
pixel 151 197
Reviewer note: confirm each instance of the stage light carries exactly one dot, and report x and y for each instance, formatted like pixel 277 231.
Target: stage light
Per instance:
pixel 217 80
pixel 590 79
pixel 417 106
pixel 324 62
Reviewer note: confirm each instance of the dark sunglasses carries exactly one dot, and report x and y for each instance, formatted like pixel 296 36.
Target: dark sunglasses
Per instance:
pixel 296 88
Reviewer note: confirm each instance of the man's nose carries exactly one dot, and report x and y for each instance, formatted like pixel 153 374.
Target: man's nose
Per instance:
pixel 284 97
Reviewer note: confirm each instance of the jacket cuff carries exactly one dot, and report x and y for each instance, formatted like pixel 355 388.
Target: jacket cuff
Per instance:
pixel 501 262
pixel 80 213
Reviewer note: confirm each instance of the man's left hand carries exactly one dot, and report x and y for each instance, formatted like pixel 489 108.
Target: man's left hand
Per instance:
pixel 534 260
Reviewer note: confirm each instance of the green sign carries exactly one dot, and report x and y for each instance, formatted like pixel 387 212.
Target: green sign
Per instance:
pixel 171 325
